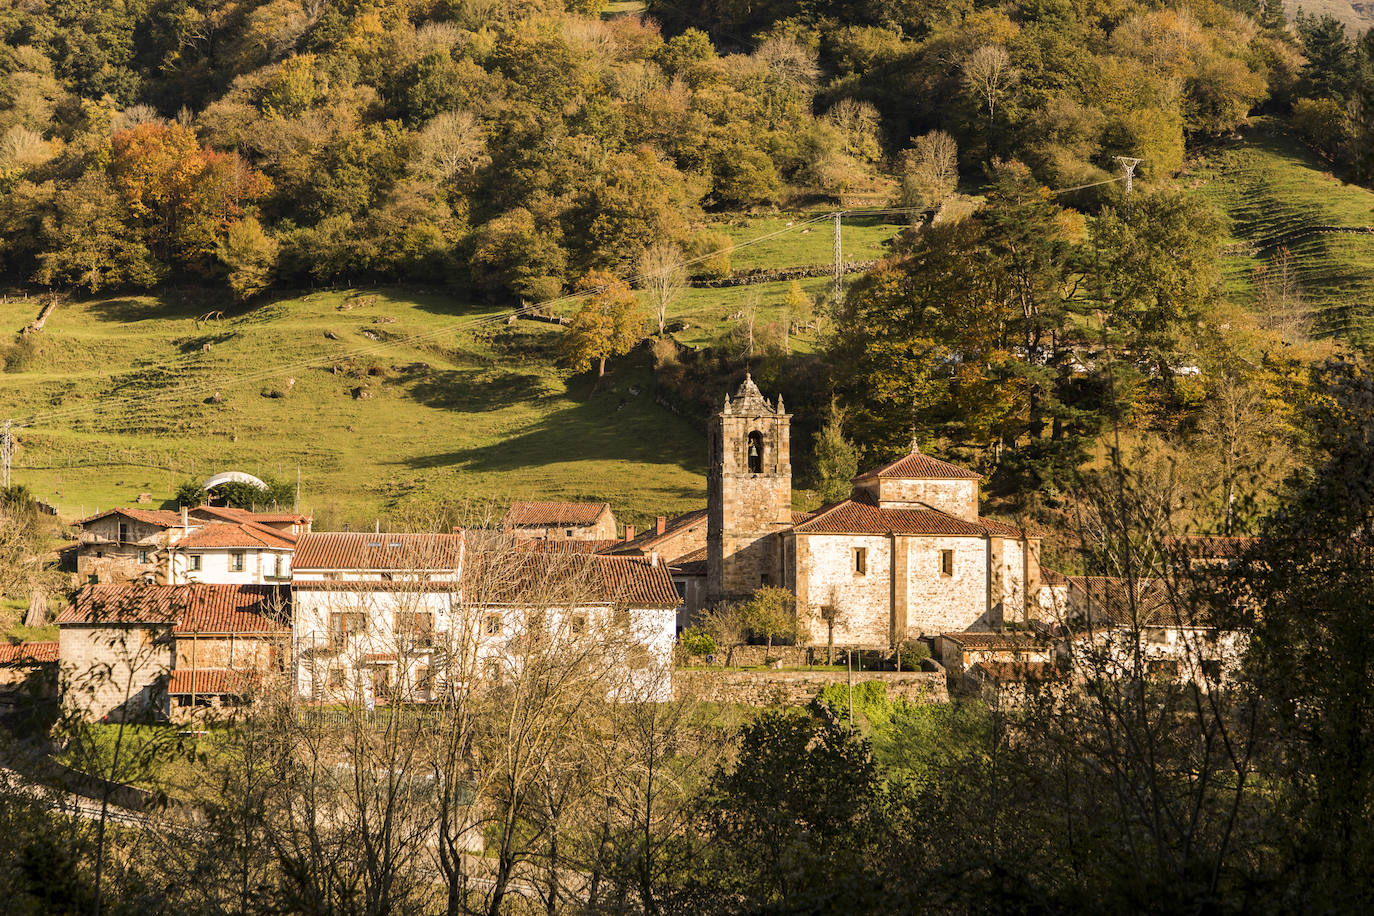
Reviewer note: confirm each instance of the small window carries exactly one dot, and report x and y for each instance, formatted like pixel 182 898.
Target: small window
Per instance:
pixel 755 452
pixel 493 625
pixel 568 532
pixel 195 562
pixel 416 627
pixel 336 678
pixel 579 624
pixel 143 556
pixel 860 561
pixel 765 580
pixel 344 624
pixel 946 562
pixel 123 532
pixel 236 562
pixel 680 587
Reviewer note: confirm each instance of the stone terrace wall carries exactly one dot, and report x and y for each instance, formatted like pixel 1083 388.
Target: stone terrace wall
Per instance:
pixel 795 688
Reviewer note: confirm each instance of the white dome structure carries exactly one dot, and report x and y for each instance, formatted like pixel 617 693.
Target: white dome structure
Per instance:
pixel 233 477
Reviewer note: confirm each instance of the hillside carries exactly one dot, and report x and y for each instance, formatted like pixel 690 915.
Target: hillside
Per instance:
pixel 477 413
pixel 123 392
pixel 1277 194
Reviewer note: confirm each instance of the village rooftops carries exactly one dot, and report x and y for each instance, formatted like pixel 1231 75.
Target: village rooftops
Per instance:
pixel 358 551
pixel 160 518
pixel 652 538
pixel 197 608
pixel 27 654
pixel 996 641
pixel 553 514
pixel 859 515
pixel 220 535
pixel 518 576
pixel 232 514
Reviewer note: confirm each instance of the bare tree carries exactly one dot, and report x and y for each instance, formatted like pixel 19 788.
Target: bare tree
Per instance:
pixel 988 74
pixel 451 144
pixel 662 277
pixel 930 170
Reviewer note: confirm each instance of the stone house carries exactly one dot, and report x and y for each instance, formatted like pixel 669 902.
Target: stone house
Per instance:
pixel 386 617
pixel 27 670
pixel 126 545
pixel 959 653
pixel 556 521
pixel 120 647
pixel 907 554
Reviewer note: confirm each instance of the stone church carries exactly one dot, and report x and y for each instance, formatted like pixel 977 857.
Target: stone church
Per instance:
pixel 906 554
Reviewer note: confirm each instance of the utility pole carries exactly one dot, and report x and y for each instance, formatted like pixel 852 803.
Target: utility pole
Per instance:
pixel 838 279
pixel 1128 169
pixel 6 452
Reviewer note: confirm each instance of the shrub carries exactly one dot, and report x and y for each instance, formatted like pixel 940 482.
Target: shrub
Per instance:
pixel 191 494
pixel 911 653
pixel 698 642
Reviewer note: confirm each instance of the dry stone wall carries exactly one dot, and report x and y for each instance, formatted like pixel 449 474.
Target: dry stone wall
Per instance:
pixel 796 688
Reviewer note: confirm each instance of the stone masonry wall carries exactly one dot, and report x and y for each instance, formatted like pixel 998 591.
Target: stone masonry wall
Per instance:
pixel 114 671
pixel 939 604
pixel 796 688
pixel 862 603
pixel 957 497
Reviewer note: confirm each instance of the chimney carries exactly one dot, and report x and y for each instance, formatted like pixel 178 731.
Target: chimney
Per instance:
pixel 661 524
pixel 629 532
pixel 183 517
pixel 653 558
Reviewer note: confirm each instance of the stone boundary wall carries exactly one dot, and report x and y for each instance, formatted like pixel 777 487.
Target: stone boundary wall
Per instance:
pixel 796 688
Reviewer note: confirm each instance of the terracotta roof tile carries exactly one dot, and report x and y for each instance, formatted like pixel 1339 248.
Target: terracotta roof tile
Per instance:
pixel 233 514
pixel 858 516
pixel 222 535
pixel 356 550
pixel 197 608
pixel 996 640
pixel 163 518
pixel 921 467
pixel 566 545
pixel 209 681
pixel 550 514
pixel 27 653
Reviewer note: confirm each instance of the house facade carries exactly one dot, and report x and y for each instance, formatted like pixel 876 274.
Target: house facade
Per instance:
pixel 134 652
pixel 411 617
pixel 552 521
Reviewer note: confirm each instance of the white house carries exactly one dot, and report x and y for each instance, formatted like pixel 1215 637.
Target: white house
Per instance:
pixel 231 554
pixel 385 617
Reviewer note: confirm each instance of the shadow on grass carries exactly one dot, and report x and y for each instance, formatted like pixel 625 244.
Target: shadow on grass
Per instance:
pixel 601 429
pixel 473 391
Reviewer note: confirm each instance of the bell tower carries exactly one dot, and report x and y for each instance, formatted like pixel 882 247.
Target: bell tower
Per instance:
pixel 748 494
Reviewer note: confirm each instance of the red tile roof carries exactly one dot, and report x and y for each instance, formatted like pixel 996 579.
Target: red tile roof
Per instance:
pixel 209 681
pixel 552 514
pixel 997 640
pixel 636 582
pixel 860 516
pixel 232 514
pixel 495 575
pixel 162 518
pixel 359 551
pixel 222 535
pixel 921 467
pixel 566 545
pixel 197 608
pixel 20 655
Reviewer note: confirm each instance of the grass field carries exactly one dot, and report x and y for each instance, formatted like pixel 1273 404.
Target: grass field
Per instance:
pixel 123 393
pixel 1271 187
pixel 862 238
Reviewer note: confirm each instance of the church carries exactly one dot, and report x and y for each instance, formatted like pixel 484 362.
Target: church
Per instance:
pixel 907 554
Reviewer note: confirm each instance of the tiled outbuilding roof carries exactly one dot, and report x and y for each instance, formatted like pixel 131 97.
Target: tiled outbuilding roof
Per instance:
pixel 553 514
pixel 208 681
pixel 196 608
pixel 858 515
pixel 917 466
pixel 1004 672
pixel 24 654
pixel 232 514
pixel 162 518
pixel 635 581
pixel 978 641
pixel 675 527
pixel 497 575
pixel 357 550
pixel 222 535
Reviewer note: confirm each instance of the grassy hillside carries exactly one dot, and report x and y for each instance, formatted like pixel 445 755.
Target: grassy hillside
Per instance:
pixel 122 397
pixel 1274 191
pixel 478 412
pixel 1356 15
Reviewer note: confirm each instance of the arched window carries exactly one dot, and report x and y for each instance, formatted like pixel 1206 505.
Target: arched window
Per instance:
pixel 755 452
